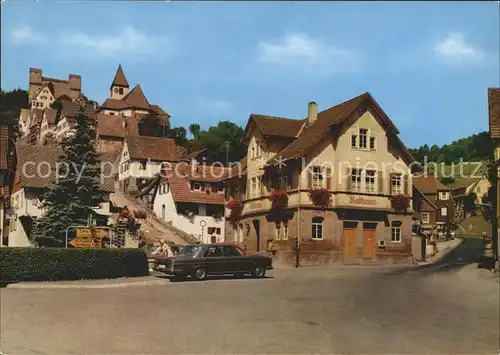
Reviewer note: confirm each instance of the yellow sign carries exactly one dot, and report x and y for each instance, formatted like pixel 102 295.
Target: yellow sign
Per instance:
pixel 88 238
pixel 362 201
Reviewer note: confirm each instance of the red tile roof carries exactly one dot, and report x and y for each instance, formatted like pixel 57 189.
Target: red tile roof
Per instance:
pixel 428 184
pixel 33 157
pixel 277 126
pixel 180 177
pixel 136 99
pixel 158 149
pixel 110 125
pixel 120 79
pixel 4 146
pixel 494 111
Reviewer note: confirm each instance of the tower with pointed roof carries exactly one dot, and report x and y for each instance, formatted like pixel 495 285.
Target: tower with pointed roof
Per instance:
pixel 119 86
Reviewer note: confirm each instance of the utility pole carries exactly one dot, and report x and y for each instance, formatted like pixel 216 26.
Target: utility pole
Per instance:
pixel 227 153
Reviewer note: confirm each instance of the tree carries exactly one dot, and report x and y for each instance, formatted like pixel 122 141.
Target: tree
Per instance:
pixel 11 103
pixel 69 201
pixel 224 140
pixel 195 129
pixel 470 202
pixel 179 134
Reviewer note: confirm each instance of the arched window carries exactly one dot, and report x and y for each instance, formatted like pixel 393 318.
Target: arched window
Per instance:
pixel 396 231
pixel 317 228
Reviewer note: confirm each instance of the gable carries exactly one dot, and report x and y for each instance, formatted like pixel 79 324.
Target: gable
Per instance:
pixel 124 153
pixel 46 92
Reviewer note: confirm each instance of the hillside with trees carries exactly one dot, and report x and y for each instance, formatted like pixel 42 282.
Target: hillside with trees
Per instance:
pixel 11 103
pixel 477 147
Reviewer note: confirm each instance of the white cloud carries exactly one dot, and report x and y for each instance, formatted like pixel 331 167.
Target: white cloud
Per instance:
pixel 310 54
pixel 455 48
pixel 25 35
pixel 129 41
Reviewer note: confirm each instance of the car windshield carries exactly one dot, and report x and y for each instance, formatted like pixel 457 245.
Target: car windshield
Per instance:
pixel 189 250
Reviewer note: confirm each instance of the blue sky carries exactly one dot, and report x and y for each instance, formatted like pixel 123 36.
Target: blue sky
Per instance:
pixel 428 64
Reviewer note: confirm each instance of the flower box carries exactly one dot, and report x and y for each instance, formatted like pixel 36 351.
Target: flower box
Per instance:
pixel 400 203
pixel 236 208
pixel 279 199
pixel 321 197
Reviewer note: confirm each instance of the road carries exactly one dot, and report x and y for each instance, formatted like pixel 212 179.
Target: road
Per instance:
pixel 436 309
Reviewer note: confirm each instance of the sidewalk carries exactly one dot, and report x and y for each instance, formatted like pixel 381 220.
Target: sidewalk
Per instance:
pixel 443 248
pixel 91 284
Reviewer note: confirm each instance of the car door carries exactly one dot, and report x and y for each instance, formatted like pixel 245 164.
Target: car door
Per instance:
pixel 213 259
pixel 233 260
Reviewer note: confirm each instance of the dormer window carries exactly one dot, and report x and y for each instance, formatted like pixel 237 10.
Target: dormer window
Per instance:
pixel 142 165
pixel 443 195
pixel 196 186
pixel 363 138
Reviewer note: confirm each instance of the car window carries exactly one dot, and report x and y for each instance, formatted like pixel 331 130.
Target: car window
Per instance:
pixel 213 251
pixel 230 251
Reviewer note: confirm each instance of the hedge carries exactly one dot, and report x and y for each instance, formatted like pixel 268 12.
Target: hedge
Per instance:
pixel 52 264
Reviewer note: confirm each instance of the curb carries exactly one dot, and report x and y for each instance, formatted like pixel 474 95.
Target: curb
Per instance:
pixel 47 286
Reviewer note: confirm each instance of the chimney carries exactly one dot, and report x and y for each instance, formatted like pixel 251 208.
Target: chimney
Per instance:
pixel 312 112
pixel 75 82
pixel 35 76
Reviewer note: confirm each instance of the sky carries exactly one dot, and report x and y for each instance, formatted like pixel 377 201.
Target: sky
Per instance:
pixel 427 64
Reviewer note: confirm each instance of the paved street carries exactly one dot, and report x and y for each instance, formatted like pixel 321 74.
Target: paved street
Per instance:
pixel 444 308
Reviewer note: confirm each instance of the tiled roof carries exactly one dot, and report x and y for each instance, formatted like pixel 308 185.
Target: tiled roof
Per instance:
pixel 427 205
pixel 428 184
pixel 50 115
pixel 33 157
pixel 25 114
pixel 71 109
pixel 136 99
pixel 158 149
pixel 110 125
pixel 314 133
pixel 180 177
pixel 494 111
pixel 114 104
pixel 36 116
pixel 4 146
pixel 277 126
pixel 120 79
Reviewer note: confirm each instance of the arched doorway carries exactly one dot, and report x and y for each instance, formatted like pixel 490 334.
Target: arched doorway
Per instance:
pixel 256 225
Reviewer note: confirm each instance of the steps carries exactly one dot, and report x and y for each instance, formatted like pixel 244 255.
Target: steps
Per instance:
pixel 160 227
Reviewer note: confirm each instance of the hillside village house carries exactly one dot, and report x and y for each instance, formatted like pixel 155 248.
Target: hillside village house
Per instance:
pixel 191 198
pixel 6 177
pixel 473 189
pixel 494 125
pixel 141 158
pixel 127 113
pixel 353 152
pixel 35 171
pixel 438 212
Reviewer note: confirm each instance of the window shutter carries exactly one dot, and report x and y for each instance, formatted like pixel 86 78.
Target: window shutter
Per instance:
pixel 390 184
pixel 348 177
pixel 262 185
pixel 328 177
pixel 380 178
pixel 309 178
pixel 247 190
pixel 405 185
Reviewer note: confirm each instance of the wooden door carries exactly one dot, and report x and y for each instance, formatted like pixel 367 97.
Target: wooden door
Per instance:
pixel 369 243
pixel 350 243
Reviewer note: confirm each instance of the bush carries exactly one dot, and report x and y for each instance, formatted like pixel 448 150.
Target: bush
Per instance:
pixel 52 264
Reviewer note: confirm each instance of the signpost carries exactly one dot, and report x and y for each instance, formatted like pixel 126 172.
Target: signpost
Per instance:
pixel 88 237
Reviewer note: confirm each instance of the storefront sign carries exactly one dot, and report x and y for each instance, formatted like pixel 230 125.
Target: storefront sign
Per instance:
pixel 88 238
pixel 358 200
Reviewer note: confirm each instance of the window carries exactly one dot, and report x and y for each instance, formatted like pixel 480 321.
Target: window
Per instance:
pixel 396 186
pixel 285 231
pixel 370 181
pixel 478 189
pixel 120 91
pixel 254 186
pixel 196 186
pixel 317 228
pixel 220 189
pixel 278 231
pixel 43 97
pixel 372 143
pixel 261 149
pixel 34 202
pixel 213 251
pixel 363 138
pixel 444 211
pixel 252 155
pixel 443 195
pixel 230 251
pixel 356 179
pixel 257 149
pixel 354 141
pixel 281 182
pixel 142 165
pixel 396 231
pixel 425 217
pixel 317 178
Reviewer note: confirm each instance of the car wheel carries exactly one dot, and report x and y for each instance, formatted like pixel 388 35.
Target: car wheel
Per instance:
pixel 200 274
pixel 259 271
